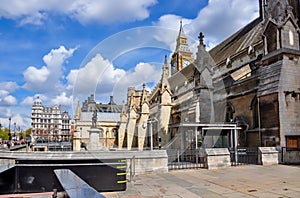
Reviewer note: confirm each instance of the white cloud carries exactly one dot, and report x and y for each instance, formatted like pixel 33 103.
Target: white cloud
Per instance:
pixel 99 76
pixel 170 21
pixel 35 12
pixel 5 89
pixel 56 57
pixel 218 20
pixel 18 119
pixel 8 100
pixel 33 75
pixel 99 72
pixel 62 99
pixel 48 78
pixel 28 101
pixel 105 11
pixel 142 73
pixel 34 19
pixel 229 15
pixel 8 86
pixel 3 93
pixel 4 112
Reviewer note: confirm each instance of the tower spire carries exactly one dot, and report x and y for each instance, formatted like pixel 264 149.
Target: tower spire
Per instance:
pixel 165 68
pixel 182 55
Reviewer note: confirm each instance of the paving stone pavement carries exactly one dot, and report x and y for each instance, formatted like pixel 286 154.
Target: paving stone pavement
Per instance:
pixel 278 181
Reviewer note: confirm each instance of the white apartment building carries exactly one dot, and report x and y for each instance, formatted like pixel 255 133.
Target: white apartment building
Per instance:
pixel 49 124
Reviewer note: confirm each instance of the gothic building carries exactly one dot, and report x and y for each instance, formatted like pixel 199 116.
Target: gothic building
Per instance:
pixel 108 121
pixel 259 67
pixel 251 79
pixel 247 87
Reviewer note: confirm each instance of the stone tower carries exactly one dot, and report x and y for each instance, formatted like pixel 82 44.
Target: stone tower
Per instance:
pixel 165 104
pixel 182 55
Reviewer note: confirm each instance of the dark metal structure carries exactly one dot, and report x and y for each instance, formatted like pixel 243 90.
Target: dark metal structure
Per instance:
pixel 245 155
pixel 195 158
pixel 33 176
pixel 185 159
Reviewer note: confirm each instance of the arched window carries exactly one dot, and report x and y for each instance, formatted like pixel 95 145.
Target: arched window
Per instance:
pixel 177 119
pixel 115 133
pixel 101 132
pixel 254 108
pixel 229 112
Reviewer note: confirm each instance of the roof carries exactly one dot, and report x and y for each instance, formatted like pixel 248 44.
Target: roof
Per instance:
pixel 245 37
pixel 101 117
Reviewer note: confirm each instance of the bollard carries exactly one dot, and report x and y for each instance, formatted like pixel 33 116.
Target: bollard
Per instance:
pixel 54 193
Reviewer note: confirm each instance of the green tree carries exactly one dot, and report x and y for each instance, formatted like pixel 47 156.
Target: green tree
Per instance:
pixel 27 132
pixel 4 134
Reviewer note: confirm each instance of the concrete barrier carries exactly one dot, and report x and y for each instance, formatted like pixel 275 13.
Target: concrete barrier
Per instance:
pixel 217 158
pixel 267 156
pixel 138 162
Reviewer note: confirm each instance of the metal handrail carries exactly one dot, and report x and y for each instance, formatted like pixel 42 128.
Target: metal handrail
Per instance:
pixel 132 169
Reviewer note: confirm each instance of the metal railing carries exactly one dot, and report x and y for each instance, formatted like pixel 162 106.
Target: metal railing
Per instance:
pixel 132 169
pixel 185 159
pixel 245 155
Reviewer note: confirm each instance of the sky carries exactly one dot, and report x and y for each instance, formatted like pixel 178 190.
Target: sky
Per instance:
pixel 63 51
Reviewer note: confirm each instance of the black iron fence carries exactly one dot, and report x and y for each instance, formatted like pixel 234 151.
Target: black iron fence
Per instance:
pixel 243 156
pixel 195 158
pixel 185 159
pixel 289 155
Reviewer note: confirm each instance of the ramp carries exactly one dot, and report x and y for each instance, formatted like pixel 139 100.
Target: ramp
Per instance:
pixel 74 185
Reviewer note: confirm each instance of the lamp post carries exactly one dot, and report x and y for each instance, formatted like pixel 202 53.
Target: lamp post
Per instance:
pixel 0 127
pixel 106 134
pixel 150 122
pixel 9 134
pixel 14 131
pixel 151 134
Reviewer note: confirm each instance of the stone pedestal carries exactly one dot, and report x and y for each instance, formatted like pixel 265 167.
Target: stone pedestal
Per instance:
pixel 94 139
pixel 267 156
pixel 76 143
pixel 217 158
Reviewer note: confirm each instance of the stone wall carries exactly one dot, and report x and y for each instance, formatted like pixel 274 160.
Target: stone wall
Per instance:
pixel 291 157
pixel 142 161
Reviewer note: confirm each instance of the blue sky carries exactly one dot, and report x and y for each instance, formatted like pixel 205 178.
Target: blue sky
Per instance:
pixel 62 51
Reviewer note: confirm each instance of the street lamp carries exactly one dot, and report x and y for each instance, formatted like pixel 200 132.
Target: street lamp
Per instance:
pixel 106 134
pixel 14 131
pixel 9 134
pixel 151 134
pixel 150 123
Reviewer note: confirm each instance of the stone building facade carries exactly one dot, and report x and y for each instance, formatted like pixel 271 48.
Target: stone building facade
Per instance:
pixel 250 79
pixel 259 66
pixel 249 83
pixel 108 121
pixel 49 123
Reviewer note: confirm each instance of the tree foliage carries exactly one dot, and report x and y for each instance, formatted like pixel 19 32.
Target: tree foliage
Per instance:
pixel 4 134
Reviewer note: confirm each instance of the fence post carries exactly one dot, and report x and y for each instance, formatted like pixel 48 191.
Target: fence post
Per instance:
pixel 132 168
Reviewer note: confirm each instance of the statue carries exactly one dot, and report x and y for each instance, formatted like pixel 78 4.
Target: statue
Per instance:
pixel 94 119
